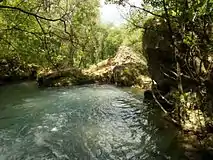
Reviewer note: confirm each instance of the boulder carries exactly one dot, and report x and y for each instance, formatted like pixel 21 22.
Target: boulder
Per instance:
pixel 127 68
pixel 158 51
pixel 161 60
pixel 128 74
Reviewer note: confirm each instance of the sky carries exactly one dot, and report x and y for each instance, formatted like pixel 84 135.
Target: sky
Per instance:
pixel 112 13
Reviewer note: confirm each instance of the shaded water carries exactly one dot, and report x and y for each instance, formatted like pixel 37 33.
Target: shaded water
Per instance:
pixel 81 123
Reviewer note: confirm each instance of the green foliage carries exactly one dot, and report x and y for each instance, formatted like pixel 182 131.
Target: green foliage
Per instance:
pixel 133 39
pixel 111 41
pixel 56 34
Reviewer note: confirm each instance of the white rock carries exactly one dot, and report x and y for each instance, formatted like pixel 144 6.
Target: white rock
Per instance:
pixel 54 129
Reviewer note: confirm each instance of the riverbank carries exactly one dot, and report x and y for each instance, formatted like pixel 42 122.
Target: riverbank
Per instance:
pixel 125 69
pixel 13 70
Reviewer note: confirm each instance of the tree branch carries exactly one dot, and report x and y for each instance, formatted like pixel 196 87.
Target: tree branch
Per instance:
pixel 30 13
pixel 145 10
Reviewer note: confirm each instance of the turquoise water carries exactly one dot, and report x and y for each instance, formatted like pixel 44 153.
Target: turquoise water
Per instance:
pixel 81 123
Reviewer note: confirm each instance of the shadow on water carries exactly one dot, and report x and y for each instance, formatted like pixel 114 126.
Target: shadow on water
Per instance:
pixel 159 140
pixel 191 144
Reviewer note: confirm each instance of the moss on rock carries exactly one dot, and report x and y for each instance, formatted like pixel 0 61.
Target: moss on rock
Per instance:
pixel 125 69
pixel 72 76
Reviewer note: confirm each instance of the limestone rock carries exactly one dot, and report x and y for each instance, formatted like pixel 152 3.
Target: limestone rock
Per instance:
pixel 125 69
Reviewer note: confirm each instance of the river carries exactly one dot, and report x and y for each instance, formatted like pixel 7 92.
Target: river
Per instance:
pixel 81 123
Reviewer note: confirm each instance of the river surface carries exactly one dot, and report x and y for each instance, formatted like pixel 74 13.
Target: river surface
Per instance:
pixel 81 123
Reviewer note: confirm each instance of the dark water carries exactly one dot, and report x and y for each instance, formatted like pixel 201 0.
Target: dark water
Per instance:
pixel 81 123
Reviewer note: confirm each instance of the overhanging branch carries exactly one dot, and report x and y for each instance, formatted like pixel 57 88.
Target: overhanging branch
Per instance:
pixel 145 10
pixel 30 13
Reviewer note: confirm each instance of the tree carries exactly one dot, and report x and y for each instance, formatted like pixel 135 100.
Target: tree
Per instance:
pixel 30 29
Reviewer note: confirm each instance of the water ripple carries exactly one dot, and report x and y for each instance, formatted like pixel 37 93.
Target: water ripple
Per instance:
pixel 82 123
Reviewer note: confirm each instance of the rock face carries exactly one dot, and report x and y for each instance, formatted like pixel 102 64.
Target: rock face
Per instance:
pixel 158 51
pixel 161 63
pixel 161 57
pixel 125 69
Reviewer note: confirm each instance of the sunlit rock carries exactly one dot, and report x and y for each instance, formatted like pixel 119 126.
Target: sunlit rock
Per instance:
pixel 54 129
pixel 127 68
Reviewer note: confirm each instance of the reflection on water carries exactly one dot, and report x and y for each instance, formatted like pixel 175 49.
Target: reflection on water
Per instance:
pixel 81 123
